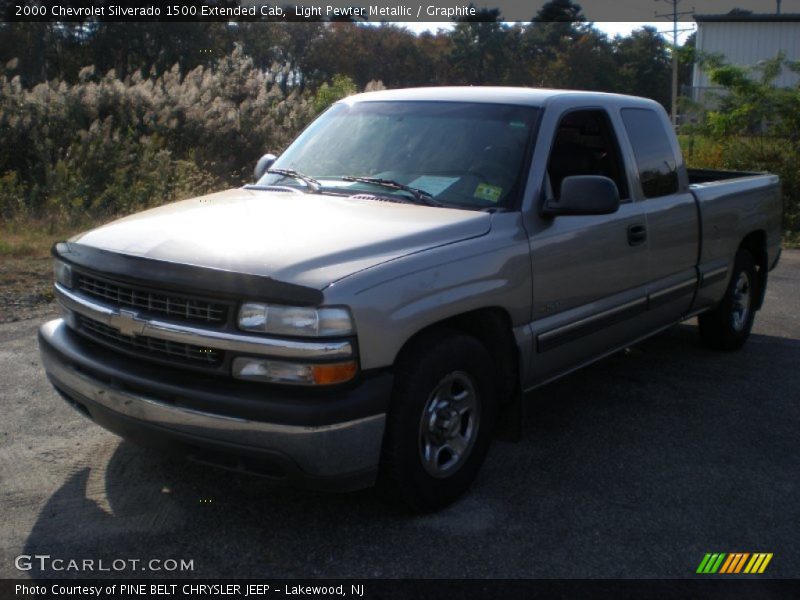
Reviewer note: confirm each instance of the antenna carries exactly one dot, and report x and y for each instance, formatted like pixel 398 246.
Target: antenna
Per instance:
pixel 674 15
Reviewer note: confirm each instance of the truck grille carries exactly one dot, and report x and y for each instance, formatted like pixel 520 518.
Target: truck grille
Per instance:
pixel 149 347
pixel 175 306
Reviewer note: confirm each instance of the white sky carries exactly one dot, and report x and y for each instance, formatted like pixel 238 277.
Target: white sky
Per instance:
pixel 611 28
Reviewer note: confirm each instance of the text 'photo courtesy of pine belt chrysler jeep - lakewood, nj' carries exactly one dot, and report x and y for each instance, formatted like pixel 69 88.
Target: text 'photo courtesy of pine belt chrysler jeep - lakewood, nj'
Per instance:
pixel 375 308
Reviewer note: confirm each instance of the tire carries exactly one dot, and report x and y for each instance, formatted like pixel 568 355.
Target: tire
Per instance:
pixel 728 326
pixel 440 421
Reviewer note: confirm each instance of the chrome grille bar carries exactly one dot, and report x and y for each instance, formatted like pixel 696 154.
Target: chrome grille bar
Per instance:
pixel 188 309
pixel 127 323
pixel 170 350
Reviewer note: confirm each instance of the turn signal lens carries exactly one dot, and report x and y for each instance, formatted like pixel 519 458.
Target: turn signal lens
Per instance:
pixel 275 371
pixel 336 373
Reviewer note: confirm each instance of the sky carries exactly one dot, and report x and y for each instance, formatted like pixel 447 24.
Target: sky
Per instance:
pixel 611 28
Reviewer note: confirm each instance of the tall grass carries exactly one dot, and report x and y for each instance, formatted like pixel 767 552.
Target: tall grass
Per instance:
pixel 105 146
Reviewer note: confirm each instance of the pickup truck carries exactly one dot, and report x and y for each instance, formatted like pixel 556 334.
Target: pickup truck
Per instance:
pixel 393 286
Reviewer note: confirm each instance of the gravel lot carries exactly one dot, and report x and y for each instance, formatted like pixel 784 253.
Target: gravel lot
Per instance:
pixel 634 467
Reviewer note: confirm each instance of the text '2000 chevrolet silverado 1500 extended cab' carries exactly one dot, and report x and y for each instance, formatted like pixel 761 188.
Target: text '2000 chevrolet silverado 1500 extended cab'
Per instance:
pixel 411 266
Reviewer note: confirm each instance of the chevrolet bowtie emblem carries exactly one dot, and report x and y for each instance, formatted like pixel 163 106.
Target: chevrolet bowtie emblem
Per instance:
pixel 127 322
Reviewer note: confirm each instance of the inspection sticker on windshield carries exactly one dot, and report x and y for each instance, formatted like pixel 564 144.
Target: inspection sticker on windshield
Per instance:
pixel 432 184
pixel 485 191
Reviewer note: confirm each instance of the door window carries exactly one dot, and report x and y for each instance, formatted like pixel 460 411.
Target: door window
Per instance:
pixel 585 144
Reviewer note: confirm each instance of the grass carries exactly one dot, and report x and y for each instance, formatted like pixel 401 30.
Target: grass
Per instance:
pixel 31 238
pixel 26 270
pixel 791 239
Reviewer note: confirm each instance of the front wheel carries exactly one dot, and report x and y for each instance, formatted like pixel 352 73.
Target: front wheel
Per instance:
pixel 728 326
pixel 440 421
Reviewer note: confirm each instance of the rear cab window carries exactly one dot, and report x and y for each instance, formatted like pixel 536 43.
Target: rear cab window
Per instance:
pixel 655 159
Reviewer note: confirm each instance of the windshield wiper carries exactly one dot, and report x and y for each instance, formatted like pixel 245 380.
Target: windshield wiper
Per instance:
pixel 312 183
pixel 420 196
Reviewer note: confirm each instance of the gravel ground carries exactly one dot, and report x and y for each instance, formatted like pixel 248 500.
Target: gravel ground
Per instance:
pixel 634 467
pixel 27 288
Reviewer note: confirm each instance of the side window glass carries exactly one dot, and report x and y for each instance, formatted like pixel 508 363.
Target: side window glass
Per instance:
pixel 585 144
pixel 658 169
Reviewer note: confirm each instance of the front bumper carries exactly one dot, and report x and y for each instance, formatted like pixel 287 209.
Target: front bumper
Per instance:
pixel 327 439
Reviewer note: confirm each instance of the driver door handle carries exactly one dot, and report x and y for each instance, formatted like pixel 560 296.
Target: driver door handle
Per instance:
pixel 637 234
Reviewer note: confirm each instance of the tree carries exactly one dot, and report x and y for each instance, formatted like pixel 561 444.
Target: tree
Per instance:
pixel 560 11
pixel 341 87
pixel 587 63
pixel 645 65
pixel 479 53
pixel 557 25
pixel 686 59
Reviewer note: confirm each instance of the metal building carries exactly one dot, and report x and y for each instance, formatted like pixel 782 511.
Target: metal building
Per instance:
pixel 744 40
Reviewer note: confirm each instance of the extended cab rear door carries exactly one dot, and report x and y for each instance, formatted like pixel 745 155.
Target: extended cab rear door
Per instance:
pixel 671 216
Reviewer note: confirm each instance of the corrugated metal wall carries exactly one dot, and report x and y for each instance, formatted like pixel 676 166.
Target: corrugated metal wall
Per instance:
pixel 747 43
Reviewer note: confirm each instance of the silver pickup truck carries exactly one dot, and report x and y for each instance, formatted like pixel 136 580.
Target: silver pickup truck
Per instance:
pixel 391 287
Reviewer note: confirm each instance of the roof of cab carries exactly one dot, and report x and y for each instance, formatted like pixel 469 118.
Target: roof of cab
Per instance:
pixel 493 95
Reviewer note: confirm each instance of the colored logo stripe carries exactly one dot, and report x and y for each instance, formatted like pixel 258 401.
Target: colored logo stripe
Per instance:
pixel 734 563
pixel 758 563
pixel 710 563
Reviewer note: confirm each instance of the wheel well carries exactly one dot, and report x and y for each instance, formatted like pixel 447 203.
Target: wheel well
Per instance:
pixel 756 244
pixel 492 328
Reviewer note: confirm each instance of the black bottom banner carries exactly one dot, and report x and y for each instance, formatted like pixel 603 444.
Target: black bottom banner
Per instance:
pixel 418 589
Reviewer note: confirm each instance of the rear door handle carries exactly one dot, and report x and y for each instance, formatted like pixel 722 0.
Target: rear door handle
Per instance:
pixel 637 234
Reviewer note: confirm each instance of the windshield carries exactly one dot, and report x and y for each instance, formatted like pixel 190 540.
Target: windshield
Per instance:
pixel 467 155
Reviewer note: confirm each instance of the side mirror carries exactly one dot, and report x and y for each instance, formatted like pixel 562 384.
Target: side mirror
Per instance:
pixel 264 163
pixel 584 195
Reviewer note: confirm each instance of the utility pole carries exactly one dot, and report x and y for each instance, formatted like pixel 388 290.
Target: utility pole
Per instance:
pixel 674 15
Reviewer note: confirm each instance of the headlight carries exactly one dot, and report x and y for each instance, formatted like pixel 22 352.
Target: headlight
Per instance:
pixel 275 371
pixel 63 273
pixel 295 320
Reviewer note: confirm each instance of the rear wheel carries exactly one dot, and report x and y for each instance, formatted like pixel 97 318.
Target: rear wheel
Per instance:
pixel 440 421
pixel 728 326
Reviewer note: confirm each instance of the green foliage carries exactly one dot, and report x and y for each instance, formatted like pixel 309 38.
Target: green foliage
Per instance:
pixel 12 196
pixel 645 64
pixel 341 87
pixel 752 104
pixel 106 145
pixel 756 127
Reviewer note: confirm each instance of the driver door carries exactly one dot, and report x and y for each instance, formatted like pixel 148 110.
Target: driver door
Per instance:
pixel 589 272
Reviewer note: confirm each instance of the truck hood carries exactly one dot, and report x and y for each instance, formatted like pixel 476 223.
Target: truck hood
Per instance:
pixel 305 239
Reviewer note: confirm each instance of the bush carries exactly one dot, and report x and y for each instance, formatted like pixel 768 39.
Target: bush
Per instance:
pixel 12 196
pixel 341 87
pixel 755 128
pixel 104 146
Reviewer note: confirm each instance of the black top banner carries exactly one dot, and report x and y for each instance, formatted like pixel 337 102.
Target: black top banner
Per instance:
pixel 385 10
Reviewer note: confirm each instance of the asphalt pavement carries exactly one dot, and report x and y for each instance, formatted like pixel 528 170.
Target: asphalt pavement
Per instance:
pixel 634 467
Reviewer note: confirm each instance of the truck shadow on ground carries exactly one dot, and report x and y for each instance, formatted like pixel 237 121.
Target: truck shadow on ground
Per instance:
pixel 657 454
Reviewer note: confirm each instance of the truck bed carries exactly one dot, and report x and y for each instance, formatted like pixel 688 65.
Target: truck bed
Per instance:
pixel 733 205
pixel 713 175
